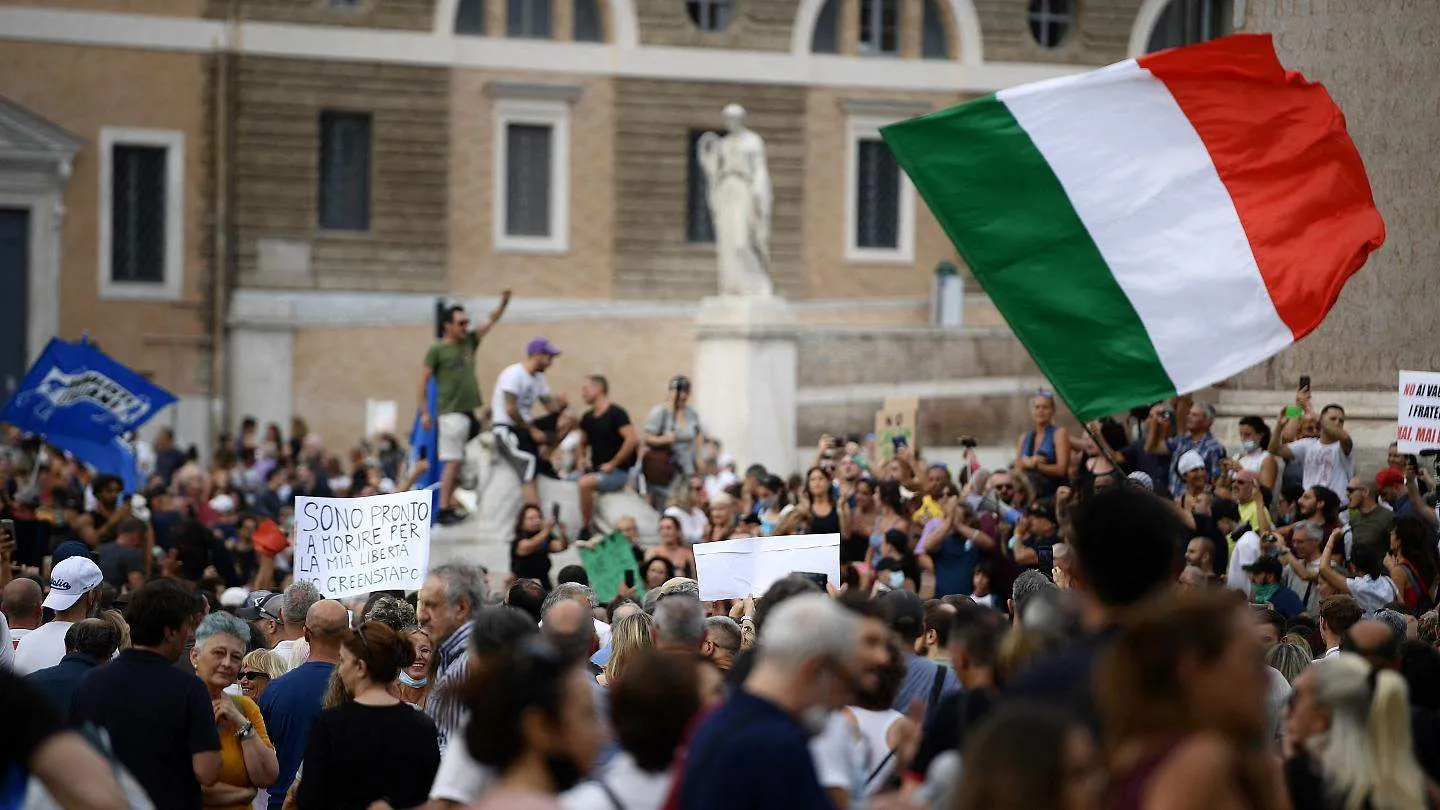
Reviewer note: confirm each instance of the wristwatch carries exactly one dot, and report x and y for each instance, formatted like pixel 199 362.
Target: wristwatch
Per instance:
pixel 246 732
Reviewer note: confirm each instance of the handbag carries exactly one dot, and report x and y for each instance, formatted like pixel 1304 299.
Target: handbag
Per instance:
pixel 658 466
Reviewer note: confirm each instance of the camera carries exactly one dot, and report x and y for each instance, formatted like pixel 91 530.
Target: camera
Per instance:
pixel 969 441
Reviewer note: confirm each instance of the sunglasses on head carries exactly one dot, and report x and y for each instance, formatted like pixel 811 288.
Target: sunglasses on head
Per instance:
pixel 251 675
pixel 1041 392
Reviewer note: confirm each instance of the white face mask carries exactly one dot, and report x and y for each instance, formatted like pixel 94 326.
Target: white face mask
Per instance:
pixel 897 580
pixel 1249 446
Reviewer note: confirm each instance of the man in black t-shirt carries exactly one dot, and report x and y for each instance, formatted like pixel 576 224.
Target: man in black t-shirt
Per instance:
pixel 608 435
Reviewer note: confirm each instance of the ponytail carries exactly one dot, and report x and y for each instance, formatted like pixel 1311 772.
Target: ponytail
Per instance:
pixel 1366 755
pixel 1398 782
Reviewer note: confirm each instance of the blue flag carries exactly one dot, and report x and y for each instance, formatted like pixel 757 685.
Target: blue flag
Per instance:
pixel 84 402
pixel 423 444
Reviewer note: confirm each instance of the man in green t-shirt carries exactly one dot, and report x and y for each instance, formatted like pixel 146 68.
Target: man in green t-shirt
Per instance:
pixel 451 361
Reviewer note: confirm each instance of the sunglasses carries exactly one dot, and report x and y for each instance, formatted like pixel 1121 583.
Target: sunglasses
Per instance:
pixel 1010 487
pixel 463 324
pixel 249 675
pixel 1041 392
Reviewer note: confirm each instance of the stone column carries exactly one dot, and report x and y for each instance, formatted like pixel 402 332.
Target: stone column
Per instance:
pixel 745 378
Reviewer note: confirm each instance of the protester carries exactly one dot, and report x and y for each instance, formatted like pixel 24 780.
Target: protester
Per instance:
pixel 74 594
pixel 629 638
pixel 20 606
pixel 291 702
pixel 88 644
pixel 1025 757
pixel 518 435
pixel 974 648
pixel 451 363
pixel 1266 587
pixel 723 640
pixel 122 560
pixel 1197 438
pixel 672 550
pixel 533 720
pixel 686 504
pixel 63 763
pixel 536 538
pixel 257 670
pixel 412 685
pixel 1349 732
pixel 373 747
pixel 1043 452
pixel 1255 456
pixel 673 432
pixel 607 447
pixel 160 720
pixel 651 715
pixel 446 605
pixel 925 681
pixel 1326 460
pixel 1371 586
pixel 1289 658
pixel 247 758
pixel 1338 613
pixel 1414 564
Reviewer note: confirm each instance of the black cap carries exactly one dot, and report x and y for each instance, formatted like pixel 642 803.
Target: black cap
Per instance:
pixel 907 613
pixel 1265 565
pixel 261 605
pixel 679 383
pixel 1042 509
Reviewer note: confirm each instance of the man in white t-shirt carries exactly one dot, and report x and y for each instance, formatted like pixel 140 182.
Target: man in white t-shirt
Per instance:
pixel 518 435
pixel 20 604
pixel 74 592
pixel 1327 461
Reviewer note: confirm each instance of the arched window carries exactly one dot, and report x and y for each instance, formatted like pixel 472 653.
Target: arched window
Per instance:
pixel 709 15
pixel 934 42
pixel 1051 21
pixel 588 24
pixel 826 37
pixel 529 19
pixel 470 17
pixel 1186 22
pixel 879 27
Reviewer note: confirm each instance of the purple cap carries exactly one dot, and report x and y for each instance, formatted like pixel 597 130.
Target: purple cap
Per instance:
pixel 541 346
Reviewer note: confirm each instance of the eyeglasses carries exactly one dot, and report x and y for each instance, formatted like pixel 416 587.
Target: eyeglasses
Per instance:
pixel 1010 487
pixel 1354 489
pixel 250 675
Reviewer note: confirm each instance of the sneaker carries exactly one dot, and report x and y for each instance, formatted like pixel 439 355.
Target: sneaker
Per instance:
pixel 585 534
pixel 448 517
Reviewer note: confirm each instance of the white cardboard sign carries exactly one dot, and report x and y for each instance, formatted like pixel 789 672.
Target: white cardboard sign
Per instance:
pixel 351 546
pixel 1418 422
pixel 733 569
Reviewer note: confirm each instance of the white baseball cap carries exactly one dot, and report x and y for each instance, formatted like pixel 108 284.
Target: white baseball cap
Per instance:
pixel 70 579
pixel 1189 460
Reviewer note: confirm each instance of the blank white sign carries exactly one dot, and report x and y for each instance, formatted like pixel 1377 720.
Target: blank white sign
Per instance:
pixel 734 569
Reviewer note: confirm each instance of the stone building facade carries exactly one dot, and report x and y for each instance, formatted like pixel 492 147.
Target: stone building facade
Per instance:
pixel 339 165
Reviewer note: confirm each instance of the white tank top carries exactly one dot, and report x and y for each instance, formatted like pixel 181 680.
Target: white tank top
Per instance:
pixel 874 730
pixel 1253 461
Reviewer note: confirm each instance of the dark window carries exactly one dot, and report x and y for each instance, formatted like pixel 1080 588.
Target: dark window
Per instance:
pixel 529 19
pixel 698 227
pixel 470 17
pixel 709 15
pixel 588 27
pixel 1186 22
pixel 933 41
pixel 527 179
pixel 346 5
pixel 825 38
pixel 879 27
pixel 1050 21
pixel 345 171
pixel 877 196
pixel 137 214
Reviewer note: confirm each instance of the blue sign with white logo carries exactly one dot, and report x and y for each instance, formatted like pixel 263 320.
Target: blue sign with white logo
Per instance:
pixel 84 402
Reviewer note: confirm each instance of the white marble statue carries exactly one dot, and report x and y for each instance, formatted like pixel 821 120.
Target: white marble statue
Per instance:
pixel 740 201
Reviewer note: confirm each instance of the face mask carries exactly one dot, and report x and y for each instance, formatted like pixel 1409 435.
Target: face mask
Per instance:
pixel 564 773
pixel 1249 446
pixel 414 683
pixel 1263 593
pixel 897 580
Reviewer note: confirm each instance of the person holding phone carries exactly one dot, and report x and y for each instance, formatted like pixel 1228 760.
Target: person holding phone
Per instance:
pixel 1327 461
pixel 536 538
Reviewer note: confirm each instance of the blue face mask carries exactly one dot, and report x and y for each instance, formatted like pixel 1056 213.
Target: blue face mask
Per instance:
pixel 1249 446
pixel 412 682
pixel 897 580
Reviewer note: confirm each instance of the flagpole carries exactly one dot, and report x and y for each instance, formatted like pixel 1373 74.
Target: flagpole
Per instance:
pixel 1105 449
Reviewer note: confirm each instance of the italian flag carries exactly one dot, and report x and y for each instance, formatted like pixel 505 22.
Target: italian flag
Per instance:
pixel 1155 226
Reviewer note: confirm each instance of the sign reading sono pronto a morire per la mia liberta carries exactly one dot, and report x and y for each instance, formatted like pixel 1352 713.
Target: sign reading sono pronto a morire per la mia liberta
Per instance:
pixel 351 546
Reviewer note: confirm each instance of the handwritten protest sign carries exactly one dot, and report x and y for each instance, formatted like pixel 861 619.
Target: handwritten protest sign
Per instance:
pixel 351 546
pixel 607 563
pixel 731 569
pixel 895 419
pixel 1418 425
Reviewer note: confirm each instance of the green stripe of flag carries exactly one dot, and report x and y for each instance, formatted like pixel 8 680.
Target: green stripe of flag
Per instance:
pixel 1013 223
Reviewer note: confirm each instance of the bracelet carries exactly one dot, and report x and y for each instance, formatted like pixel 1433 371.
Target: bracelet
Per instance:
pixel 246 732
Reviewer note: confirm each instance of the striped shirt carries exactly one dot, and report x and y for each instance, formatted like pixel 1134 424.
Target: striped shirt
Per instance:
pixel 441 704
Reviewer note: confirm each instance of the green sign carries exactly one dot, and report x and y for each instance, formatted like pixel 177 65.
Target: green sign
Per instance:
pixel 607 563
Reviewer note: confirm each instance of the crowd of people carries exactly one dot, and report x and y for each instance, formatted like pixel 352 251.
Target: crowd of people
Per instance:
pixel 1128 615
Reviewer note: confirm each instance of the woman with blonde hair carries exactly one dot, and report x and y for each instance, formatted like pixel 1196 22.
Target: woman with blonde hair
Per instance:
pixel 628 636
pixel 257 670
pixel 1349 739
pixel 1290 657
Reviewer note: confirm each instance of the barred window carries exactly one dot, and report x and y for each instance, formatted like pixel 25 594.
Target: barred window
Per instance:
pixel 527 179
pixel 137 213
pixel 1050 21
pixel 344 171
pixel 1187 22
pixel 698 226
pixel 879 27
pixel 709 15
pixel 877 195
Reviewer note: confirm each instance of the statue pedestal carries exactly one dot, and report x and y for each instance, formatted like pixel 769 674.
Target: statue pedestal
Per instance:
pixel 745 378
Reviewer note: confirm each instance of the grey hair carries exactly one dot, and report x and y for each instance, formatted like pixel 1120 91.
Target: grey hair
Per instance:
pixel 1391 618
pixel 397 614
pixel 222 624
pixel 568 590
pixel 1290 658
pixel 1366 754
pixel 1207 408
pixel 1309 529
pixel 687 587
pixel 679 619
pixel 806 627
pixel 462 581
pixel 299 598
pixel 1026 585
pixel 727 627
